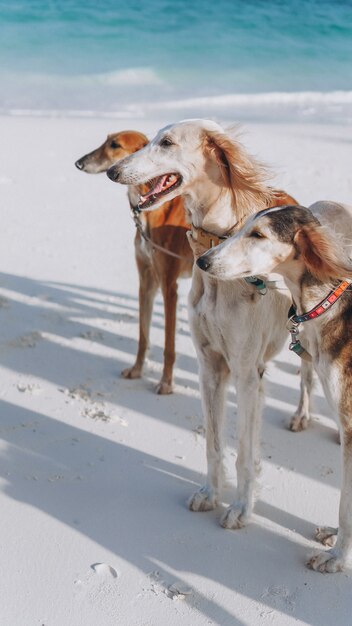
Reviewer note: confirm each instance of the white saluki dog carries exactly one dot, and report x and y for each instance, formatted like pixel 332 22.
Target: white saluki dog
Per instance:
pixel 234 328
pixel 315 266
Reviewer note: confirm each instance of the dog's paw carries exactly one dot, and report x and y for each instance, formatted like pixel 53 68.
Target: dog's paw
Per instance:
pixel 202 500
pixel 163 388
pixel 298 423
pixel 326 535
pixel 236 516
pixel 328 562
pixel 132 372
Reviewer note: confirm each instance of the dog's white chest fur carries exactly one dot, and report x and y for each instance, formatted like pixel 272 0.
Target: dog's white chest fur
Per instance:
pixel 220 313
pixel 207 317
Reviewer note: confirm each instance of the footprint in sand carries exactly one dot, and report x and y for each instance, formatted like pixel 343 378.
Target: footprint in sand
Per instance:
pixel 4 303
pixel 81 393
pixel 32 388
pixel 179 590
pixel 27 341
pixel 281 597
pixel 92 335
pixel 103 569
pixel 100 589
pixel 96 413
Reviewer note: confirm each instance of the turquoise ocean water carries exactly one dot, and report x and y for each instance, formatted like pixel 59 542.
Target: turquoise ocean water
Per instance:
pixel 248 59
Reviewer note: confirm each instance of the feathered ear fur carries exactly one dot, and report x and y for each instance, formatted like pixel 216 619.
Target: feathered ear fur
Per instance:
pixel 241 173
pixel 321 254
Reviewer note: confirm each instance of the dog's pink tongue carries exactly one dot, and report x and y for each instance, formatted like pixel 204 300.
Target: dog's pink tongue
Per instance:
pixel 160 184
pixel 157 189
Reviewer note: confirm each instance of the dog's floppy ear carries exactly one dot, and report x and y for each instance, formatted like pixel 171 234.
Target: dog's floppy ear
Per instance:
pixel 132 140
pixel 321 253
pixel 140 141
pixel 240 173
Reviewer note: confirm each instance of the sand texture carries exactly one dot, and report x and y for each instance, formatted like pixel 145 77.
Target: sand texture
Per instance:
pixel 96 470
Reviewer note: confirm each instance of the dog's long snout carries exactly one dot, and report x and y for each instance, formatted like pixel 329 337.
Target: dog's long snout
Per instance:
pixel 203 263
pixel 79 164
pixel 113 173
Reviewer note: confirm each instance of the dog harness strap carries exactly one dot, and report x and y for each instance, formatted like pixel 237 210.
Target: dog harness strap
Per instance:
pixel 135 210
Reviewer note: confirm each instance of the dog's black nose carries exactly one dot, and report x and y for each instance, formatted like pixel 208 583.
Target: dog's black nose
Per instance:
pixel 113 174
pixel 79 164
pixel 203 263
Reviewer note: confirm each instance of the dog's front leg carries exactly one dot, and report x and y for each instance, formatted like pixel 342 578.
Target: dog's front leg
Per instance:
pixel 148 286
pixel 335 559
pixel 169 290
pixel 249 390
pixel 300 419
pixel 213 377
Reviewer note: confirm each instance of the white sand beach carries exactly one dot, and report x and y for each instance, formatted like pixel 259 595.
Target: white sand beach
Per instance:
pixel 96 470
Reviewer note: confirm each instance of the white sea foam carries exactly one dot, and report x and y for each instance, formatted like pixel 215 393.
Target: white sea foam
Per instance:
pixel 63 113
pixel 334 106
pixel 131 76
pixel 258 99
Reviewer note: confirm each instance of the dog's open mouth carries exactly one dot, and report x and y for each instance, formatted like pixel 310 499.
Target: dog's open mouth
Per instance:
pixel 159 186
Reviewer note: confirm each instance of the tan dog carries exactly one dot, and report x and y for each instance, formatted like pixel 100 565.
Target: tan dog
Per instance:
pixel 166 228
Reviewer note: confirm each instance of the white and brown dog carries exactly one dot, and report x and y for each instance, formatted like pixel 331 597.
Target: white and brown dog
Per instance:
pixel 234 328
pixel 315 264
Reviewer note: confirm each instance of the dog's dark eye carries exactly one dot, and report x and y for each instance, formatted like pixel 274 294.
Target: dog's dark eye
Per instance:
pixel 114 145
pixel 166 142
pixel 257 235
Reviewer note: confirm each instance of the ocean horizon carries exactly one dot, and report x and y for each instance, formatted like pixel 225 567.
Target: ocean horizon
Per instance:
pixel 247 60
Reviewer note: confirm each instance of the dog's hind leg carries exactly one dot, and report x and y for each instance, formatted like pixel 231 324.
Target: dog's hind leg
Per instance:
pixel 213 376
pixel 169 291
pixel 335 559
pixel 250 397
pixel 300 419
pixel 148 286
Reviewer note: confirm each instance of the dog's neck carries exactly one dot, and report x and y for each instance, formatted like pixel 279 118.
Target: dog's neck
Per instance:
pixel 214 214
pixel 210 206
